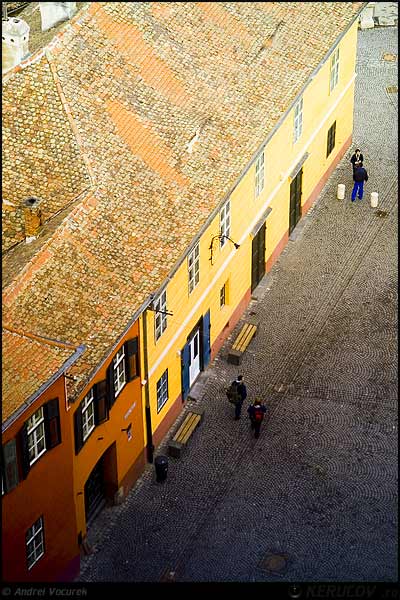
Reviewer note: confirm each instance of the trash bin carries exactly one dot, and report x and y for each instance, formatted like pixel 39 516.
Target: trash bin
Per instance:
pixel 161 466
pixel 341 188
pixel 374 199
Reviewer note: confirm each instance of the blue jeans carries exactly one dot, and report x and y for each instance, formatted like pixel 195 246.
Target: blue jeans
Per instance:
pixel 358 187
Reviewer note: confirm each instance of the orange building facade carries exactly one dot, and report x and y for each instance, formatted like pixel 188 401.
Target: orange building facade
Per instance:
pixel 39 541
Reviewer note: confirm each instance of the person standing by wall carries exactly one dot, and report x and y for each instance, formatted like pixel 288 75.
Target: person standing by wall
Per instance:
pixel 256 413
pixel 237 393
pixel 359 176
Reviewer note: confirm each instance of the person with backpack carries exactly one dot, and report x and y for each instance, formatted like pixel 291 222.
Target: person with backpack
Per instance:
pixel 237 393
pixel 256 413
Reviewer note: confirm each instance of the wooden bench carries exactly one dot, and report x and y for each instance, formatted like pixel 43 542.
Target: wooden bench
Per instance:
pixel 182 436
pixel 240 344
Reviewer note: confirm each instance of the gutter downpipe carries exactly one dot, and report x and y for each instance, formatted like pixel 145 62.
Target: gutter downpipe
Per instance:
pixel 149 433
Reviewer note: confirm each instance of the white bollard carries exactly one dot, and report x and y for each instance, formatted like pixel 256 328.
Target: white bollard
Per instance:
pixel 341 188
pixel 374 199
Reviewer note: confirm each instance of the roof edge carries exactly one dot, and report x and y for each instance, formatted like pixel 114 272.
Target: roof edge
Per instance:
pixel 27 403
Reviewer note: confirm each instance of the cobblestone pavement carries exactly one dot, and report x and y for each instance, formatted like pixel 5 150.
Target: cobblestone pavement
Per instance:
pixel 319 487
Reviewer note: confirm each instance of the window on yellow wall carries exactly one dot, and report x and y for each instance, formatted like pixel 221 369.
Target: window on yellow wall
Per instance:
pixel 260 174
pixel 298 120
pixel 194 268
pixel 330 144
pixel 225 223
pixel 223 295
pixel 334 78
pixel 162 390
pixel 160 319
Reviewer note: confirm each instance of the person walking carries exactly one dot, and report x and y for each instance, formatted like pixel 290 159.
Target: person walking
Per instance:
pixel 237 393
pixel 357 159
pixel 359 176
pixel 256 412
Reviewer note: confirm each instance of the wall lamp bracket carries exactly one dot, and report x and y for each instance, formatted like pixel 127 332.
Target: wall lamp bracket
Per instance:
pixel 220 237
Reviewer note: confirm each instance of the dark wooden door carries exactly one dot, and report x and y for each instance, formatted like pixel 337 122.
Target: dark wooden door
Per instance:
pixel 258 258
pixel 295 201
pixel 94 491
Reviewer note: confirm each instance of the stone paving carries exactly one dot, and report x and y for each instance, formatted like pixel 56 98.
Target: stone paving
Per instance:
pixel 317 491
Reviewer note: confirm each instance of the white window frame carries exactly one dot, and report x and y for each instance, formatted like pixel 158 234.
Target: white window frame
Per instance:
pixel 88 422
pixel 162 390
pixel 36 435
pixel 334 74
pixel 225 223
pixel 160 318
pixel 194 267
pixel 119 370
pixel 260 174
pixel 34 543
pixel 298 121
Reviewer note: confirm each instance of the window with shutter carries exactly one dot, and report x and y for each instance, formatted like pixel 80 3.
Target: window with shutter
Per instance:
pixel 52 423
pixel 100 402
pixel 110 386
pixel 35 428
pixel 78 429
pixel 24 451
pixel 119 370
pixel 10 466
pixel 132 359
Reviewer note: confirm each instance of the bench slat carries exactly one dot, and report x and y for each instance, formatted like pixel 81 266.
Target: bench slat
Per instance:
pixel 191 429
pixel 240 336
pixel 245 338
pixel 185 425
pixel 248 330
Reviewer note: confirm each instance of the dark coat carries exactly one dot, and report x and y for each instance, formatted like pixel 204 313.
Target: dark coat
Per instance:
pixel 359 159
pixel 360 174
pixel 241 390
pixel 251 410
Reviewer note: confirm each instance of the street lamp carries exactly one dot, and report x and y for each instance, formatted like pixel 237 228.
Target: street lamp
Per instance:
pixel 220 237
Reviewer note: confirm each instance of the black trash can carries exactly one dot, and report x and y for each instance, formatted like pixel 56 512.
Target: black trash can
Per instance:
pixel 161 466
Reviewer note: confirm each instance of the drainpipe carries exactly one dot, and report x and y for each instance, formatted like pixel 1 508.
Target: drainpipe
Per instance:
pixel 150 447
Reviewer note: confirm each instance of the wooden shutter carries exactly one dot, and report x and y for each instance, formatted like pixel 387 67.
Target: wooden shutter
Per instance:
pixel 110 385
pixel 185 362
pixel 100 402
pixel 11 476
pixel 206 339
pixel 78 429
pixel 131 359
pixel 52 428
pixel 24 451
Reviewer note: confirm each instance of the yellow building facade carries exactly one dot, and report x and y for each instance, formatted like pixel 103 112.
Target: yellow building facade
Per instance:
pixel 321 119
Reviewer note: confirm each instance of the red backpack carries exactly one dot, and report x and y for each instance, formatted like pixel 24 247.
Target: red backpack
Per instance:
pixel 258 414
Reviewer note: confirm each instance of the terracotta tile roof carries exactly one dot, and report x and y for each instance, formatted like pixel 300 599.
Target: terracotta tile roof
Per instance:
pixel 40 154
pixel 27 364
pixel 142 82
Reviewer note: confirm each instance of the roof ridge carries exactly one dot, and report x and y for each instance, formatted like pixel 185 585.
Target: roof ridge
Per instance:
pixel 43 254
pixel 68 113
pixel 40 52
pixel 39 338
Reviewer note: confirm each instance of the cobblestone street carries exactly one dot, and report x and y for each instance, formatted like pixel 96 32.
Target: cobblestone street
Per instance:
pixel 317 492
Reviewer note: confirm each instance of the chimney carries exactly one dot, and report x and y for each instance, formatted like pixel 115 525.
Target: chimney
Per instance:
pixel 53 13
pixel 32 219
pixel 14 38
